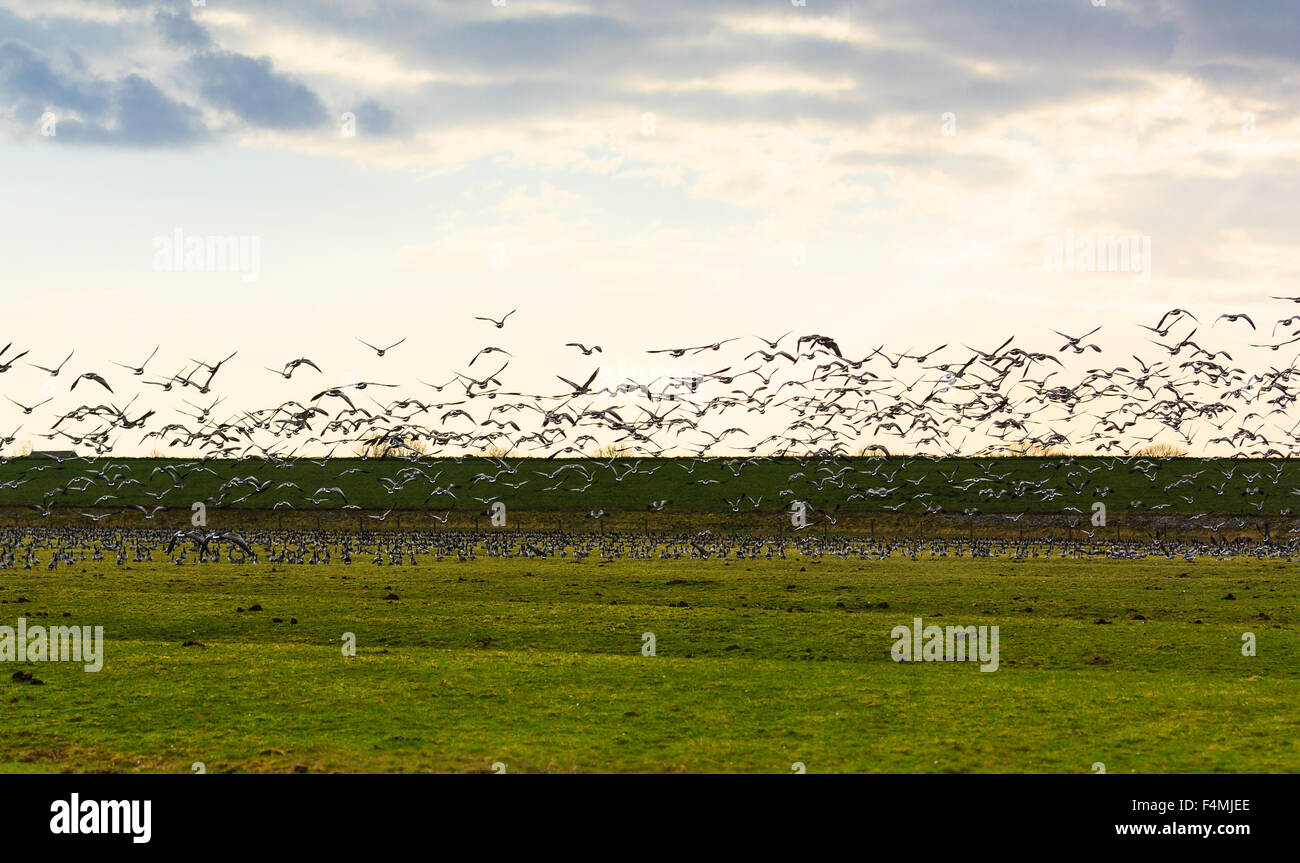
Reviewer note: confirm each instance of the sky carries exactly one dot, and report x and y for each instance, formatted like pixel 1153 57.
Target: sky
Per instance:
pixel 638 175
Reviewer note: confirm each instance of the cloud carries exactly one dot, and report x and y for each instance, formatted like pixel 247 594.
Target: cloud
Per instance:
pixel 129 111
pixel 374 119
pixel 32 84
pixel 141 116
pixel 182 31
pixel 1244 31
pixel 254 91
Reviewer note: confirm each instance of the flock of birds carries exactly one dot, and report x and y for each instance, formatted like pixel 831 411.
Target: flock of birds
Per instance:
pixel 794 395
pixel 51 549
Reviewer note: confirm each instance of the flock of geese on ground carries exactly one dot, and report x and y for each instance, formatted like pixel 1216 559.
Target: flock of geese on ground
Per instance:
pixel 794 395
pixel 52 548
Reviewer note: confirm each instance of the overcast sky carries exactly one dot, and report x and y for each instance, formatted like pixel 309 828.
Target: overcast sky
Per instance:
pixel 633 174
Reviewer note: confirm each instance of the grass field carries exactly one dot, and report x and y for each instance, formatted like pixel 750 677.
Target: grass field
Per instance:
pixel 857 485
pixel 537 664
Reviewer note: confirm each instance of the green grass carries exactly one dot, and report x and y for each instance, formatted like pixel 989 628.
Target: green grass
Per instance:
pixel 1137 486
pixel 537 664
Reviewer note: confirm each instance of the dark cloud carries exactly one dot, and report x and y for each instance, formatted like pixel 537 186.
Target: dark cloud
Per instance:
pixel 515 64
pixel 1244 31
pixel 538 42
pixel 141 116
pixel 182 31
pixel 374 119
pixel 1042 53
pixel 1059 38
pixel 130 111
pixel 31 82
pixel 253 90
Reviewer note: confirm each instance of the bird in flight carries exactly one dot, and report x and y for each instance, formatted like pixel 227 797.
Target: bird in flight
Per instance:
pixel 137 370
pixel 5 365
pixel 292 366
pixel 1177 315
pixel 1281 345
pixel 54 372
pixel 1234 318
pixel 681 352
pixel 1285 322
pixel 90 376
pixel 379 351
pixel 771 344
pixel 820 342
pixel 585 388
pixel 211 370
pixel 498 324
pixel 1072 342
pixel 481 383
pixel 490 350
pixel 26 409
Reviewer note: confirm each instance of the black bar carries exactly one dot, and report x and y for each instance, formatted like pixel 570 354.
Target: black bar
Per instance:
pixel 1001 812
